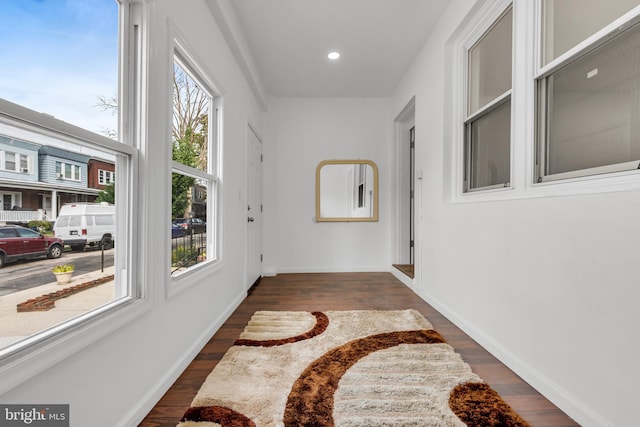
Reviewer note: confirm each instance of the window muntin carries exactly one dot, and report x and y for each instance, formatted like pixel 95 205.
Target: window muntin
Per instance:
pixel 196 111
pixel 487 148
pixel 563 28
pixel 588 112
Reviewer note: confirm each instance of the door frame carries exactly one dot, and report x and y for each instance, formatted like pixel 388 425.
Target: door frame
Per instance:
pixel 403 122
pixel 256 211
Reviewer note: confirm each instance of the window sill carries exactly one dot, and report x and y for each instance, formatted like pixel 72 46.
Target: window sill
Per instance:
pixel 193 276
pixel 25 363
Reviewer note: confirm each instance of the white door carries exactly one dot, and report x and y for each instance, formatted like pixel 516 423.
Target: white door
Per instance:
pixel 254 208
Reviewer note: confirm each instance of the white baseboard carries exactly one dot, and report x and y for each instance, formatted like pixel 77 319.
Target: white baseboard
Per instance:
pixel 408 281
pixel 155 393
pixel 559 396
pixel 286 270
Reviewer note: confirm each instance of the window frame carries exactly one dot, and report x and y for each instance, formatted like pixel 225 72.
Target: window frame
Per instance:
pixel 611 172
pixel 38 352
pixel 527 40
pixel 195 69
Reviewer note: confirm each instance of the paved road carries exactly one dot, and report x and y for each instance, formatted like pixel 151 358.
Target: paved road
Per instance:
pixel 22 275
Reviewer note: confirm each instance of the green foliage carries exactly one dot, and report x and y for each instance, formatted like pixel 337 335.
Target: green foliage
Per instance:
pixel 108 194
pixel 41 226
pixel 184 152
pixel 65 268
pixel 183 256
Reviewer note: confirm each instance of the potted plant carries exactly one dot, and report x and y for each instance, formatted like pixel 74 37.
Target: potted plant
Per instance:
pixel 63 273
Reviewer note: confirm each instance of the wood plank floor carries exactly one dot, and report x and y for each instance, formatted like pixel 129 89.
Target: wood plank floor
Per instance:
pixel 350 291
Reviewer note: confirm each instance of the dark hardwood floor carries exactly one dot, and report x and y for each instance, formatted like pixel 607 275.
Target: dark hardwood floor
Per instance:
pixel 350 291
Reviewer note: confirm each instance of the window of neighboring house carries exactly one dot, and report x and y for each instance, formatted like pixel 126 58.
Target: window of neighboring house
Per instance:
pixel 195 142
pixel 68 171
pixel 9 161
pixel 59 74
pixel 24 163
pixel 487 136
pixel 106 177
pixel 588 101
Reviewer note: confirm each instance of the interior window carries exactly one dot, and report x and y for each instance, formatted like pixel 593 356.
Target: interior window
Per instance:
pixel 194 171
pixel 62 59
pixel 589 113
pixel 488 125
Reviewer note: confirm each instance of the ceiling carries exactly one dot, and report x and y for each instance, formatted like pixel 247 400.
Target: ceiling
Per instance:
pixel 378 39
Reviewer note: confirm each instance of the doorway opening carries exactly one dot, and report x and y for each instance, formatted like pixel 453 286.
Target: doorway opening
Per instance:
pixel 405 251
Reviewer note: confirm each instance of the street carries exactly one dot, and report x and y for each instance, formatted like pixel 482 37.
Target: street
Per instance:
pixel 26 274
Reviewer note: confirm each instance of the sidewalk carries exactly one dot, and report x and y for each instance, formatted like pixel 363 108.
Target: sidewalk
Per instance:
pixel 16 326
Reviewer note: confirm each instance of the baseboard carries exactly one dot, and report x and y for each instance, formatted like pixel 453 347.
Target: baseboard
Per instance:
pixel 408 281
pixel 155 393
pixel 289 270
pixel 559 396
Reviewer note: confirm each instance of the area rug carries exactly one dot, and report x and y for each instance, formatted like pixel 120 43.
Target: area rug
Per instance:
pixel 344 369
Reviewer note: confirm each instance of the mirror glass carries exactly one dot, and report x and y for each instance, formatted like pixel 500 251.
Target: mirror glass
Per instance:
pixel 347 190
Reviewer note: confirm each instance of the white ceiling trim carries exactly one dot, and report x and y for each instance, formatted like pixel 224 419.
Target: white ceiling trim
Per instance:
pixel 227 21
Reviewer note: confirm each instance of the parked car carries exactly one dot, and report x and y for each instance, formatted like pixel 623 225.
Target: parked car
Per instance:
pixel 176 231
pixel 21 243
pixel 191 225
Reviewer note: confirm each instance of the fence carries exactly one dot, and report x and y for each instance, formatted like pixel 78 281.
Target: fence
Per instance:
pixel 188 250
pixel 22 216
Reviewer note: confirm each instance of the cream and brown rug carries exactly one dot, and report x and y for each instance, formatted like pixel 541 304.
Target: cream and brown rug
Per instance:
pixel 346 369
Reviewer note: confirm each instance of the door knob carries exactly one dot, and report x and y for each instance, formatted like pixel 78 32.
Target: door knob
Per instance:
pixel 250 219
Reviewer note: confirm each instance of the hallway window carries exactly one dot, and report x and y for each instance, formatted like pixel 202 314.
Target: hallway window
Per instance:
pixel 588 108
pixel 487 150
pixel 60 92
pixel 194 178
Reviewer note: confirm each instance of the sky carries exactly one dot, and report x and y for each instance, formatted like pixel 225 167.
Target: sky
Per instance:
pixel 59 56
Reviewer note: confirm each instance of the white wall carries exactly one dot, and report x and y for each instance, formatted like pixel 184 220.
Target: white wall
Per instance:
pixel 117 380
pixel 300 133
pixel 549 285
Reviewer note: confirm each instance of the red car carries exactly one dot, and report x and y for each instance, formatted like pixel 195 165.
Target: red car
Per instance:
pixel 21 243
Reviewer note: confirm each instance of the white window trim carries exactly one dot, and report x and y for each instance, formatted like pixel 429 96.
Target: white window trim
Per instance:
pixel 526 68
pixel 193 65
pixel 481 20
pixel 607 178
pixel 42 351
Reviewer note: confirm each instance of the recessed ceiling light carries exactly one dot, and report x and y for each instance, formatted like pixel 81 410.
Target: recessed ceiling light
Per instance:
pixel 333 55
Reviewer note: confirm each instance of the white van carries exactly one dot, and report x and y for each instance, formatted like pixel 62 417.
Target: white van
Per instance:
pixel 82 224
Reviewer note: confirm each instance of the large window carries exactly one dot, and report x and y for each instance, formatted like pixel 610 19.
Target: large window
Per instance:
pixel 487 158
pixel 62 59
pixel 544 100
pixel 195 179
pixel 588 103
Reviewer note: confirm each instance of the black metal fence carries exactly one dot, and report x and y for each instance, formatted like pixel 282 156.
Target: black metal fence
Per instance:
pixel 188 250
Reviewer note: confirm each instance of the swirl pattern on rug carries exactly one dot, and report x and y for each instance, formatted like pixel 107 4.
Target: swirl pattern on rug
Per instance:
pixel 363 368
pixel 322 321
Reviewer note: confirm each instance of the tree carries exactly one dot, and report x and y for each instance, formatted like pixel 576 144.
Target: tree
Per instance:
pixel 107 195
pixel 184 153
pixel 190 129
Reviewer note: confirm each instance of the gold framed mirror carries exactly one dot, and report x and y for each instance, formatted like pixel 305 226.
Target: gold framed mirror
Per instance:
pixel 346 191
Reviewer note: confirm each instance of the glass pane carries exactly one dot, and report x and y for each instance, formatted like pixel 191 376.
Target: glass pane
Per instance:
pixel 190 121
pixel 490 64
pixel 564 27
pixel 71 236
pixel 61 58
pixel 490 148
pixel 188 227
pixel 593 112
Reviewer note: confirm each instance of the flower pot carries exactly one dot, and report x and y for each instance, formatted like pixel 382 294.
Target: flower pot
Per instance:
pixel 64 277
